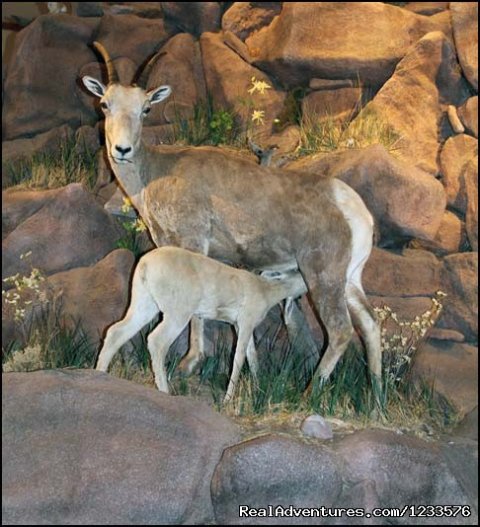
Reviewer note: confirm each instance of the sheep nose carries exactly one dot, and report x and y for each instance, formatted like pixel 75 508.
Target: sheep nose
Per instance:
pixel 123 151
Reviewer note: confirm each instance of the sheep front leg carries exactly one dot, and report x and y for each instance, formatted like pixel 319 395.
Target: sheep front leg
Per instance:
pixel 159 342
pixel 245 337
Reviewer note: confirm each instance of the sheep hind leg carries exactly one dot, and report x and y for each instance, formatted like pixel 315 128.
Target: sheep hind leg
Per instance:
pixel 244 346
pixel 192 361
pixel 159 342
pixel 364 318
pixel 142 310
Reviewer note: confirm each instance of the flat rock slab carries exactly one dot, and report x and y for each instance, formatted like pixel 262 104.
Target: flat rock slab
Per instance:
pixel 81 447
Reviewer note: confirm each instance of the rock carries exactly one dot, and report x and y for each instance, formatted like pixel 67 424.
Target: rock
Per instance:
pixel 452 369
pixel 193 17
pixel 404 201
pixel 404 470
pixel 330 84
pixel 132 37
pixel 451 236
pixel 471 216
pixel 228 80
pixel 445 334
pixel 180 68
pixel 92 297
pixel 458 163
pixel 454 120
pixel 274 470
pixel 234 43
pixel 293 47
pixel 316 426
pixel 88 139
pixel 41 92
pixel 89 9
pixel 341 104
pixel 18 154
pixel 460 282
pixel 244 18
pixel 141 9
pixel 409 105
pixel 468 114
pixel 71 230
pixel 407 308
pixel 84 447
pixel 410 274
pixel 468 427
pixel 427 8
pixel 465 31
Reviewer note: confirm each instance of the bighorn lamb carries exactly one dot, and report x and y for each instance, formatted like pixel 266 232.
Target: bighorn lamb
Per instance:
pixel 212 202
pixel 181 284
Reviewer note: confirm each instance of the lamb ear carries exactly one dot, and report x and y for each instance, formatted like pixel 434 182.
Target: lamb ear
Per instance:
pixel 158 94
pixel 94 86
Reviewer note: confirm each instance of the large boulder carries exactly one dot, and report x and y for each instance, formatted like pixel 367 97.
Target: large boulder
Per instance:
pixel 468 114
pixel 460 282
pixel 452 369
pixel 405 202
pixel 70 229
pixel 181 68
pixel 41 90
pixel 193 17
pixel 459 162
pixel 411 104
pixel 81 447
pixel 244 18
pixel 278 471
pixel 465 31
pixel 331 40
pixel 229 77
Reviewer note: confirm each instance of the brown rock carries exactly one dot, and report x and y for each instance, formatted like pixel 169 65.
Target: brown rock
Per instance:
pixel 180 68
pixel 465 31
pixel 471 216
pixel 340 104
pixel 451 236
pixel 404 201
pixel 452 369
pixel 427 8
pixel 193 17
pixel 244 18
pixel 410 274
pixel 458 160
pixel 40 92
pixel 71 230
pixel 132 37
pixel 87 139
pixel 409 104
pixel 293 47
pixel 468 114
pixel 141 9
pixel 229 78
pixel 17 155
pixel 460 282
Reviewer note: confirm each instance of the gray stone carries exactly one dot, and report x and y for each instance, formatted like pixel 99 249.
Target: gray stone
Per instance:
pixel 274 470
pixel 316 426
pixel 81 447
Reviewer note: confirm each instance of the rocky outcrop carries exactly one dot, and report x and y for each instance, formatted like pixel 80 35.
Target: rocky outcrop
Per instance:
pixel 84 447
pixel 245 18
pixel 405 202
pixel 465 31
pixel 68 230
pixel 331 40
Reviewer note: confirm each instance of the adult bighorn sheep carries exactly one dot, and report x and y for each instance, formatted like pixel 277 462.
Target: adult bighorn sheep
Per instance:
pixel 223 205
pixel 180 284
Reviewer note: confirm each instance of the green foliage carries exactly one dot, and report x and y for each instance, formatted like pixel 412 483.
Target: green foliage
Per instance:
pixel 70 163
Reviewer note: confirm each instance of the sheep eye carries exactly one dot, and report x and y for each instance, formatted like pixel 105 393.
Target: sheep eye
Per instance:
pixel 104 105
pixel 146 110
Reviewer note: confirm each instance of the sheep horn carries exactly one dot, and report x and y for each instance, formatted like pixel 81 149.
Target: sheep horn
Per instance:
pixel 143 78
pixel 112 72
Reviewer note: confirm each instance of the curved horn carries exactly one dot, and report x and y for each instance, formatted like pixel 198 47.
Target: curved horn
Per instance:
pixel 143 77
pixel 112 72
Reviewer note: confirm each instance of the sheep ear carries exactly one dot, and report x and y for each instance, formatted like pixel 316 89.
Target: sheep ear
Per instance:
pixel 158 94
pixel 94 86
pixel 272 275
